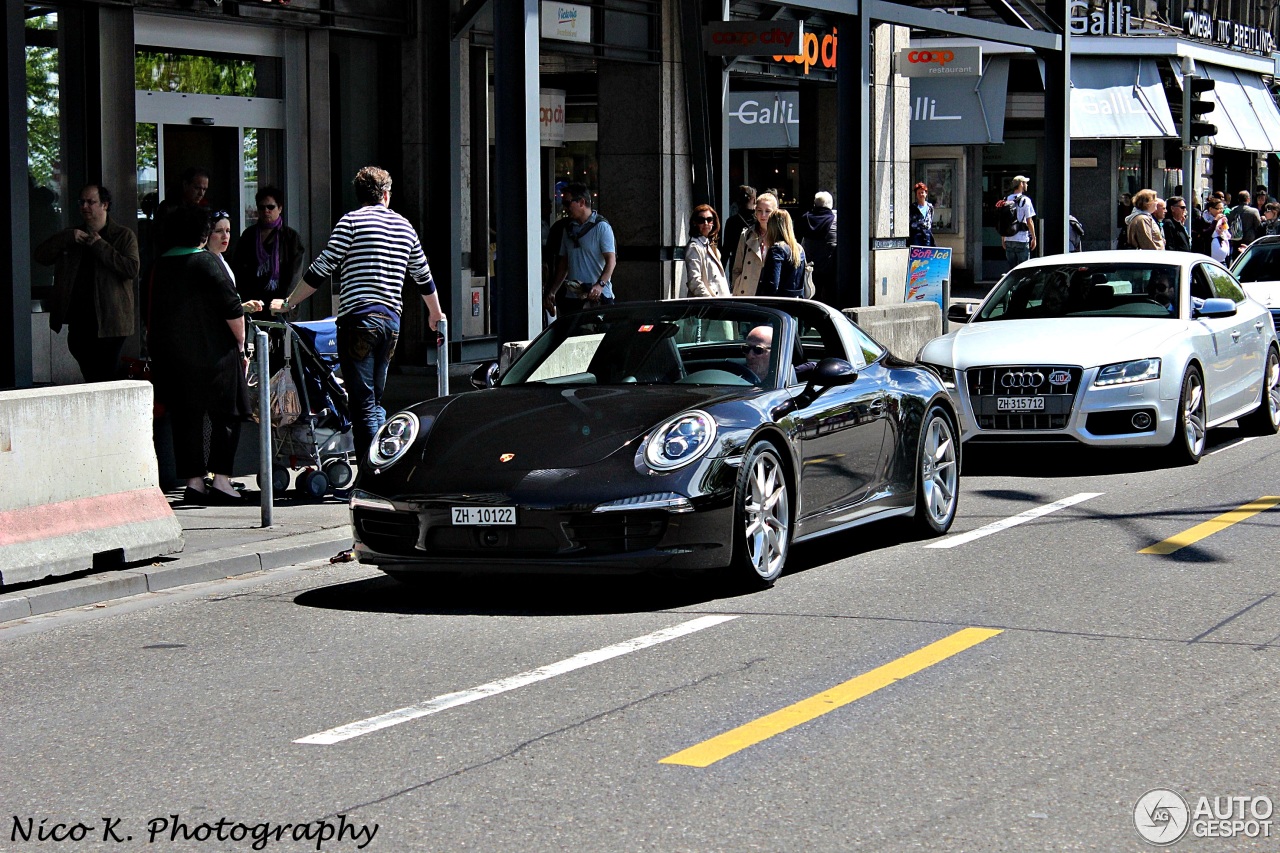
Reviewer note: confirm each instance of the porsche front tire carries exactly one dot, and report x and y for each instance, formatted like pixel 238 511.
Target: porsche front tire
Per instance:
pixel 762 516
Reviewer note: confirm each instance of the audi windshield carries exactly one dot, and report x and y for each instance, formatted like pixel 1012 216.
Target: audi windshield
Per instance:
pixel 1085 290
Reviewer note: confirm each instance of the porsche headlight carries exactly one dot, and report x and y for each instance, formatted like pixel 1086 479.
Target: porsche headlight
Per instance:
pixel 1139 370
pixel 393 439
pixel 946 374
pixel 680 441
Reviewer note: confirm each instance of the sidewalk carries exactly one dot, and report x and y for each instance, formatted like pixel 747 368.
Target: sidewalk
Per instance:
pixel 225 541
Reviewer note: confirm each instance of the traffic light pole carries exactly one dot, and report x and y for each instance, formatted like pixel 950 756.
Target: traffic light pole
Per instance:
pixel 1188 149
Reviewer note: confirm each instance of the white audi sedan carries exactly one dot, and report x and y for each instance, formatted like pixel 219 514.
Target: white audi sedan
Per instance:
pixel 1113 349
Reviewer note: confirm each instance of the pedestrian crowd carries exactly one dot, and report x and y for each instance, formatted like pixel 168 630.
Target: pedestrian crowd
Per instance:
pixel 1219 229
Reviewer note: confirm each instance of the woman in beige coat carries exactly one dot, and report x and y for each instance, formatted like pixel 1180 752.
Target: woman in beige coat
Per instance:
pixel 703 269
pixel 748 260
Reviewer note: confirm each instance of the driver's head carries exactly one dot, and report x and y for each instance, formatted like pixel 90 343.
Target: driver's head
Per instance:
pixel 757 346
pixel 1161 286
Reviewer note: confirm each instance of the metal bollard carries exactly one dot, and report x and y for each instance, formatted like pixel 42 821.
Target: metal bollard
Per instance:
pixel 265 456
pixel 442 358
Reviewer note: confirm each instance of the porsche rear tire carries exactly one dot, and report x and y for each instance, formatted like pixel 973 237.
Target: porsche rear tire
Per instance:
pixel 937 475
pixel 762 516
pixel 1265 420
pixel 1189 432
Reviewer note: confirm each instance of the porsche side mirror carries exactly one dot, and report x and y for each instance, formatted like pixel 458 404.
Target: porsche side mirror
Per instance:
pixel 828 373
pixel 1217 308
pixel 485 376
pixel 961 313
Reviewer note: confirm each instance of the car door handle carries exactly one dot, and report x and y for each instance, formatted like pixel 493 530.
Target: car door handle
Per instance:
pixel 877 406
pixel 1235 335
pixel 1258 325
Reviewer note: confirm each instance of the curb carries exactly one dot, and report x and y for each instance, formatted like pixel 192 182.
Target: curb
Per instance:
pixel 211 565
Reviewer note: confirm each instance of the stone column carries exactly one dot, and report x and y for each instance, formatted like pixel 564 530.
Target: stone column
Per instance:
pixel 645 180
pixel 891 168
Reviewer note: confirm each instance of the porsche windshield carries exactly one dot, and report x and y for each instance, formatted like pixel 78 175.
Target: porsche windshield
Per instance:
pixel 1085 290
pixel 654 344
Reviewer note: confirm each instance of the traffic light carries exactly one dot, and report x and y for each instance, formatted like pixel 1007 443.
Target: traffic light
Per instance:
pixel 1199 107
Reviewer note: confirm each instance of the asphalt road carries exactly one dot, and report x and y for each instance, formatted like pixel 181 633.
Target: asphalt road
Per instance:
pixel 1018 690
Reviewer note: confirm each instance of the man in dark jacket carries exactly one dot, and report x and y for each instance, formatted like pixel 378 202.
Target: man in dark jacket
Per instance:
pixel 742 218
pixel 94 266
pixel 1245 222
pixel 1177 231
pixel 816 233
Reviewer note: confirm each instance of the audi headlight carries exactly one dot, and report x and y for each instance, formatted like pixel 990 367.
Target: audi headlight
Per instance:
pixel 680 441
pixel 1125 372
pixel 393 439
pixel 946 374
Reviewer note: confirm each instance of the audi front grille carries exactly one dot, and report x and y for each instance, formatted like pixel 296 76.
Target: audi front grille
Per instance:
pixel 1017 397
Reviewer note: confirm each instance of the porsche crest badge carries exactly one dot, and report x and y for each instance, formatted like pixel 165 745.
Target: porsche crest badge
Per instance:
pixel 506 457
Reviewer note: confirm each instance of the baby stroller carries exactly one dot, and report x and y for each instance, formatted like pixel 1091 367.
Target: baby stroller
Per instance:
pixel 320 440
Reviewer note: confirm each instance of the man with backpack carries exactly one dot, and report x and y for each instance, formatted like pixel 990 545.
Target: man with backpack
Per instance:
pixel 588 255
pixel 1015 220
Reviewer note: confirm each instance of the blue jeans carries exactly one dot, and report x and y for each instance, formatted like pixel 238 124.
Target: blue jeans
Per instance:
pixel 1015 252
pixel 365 346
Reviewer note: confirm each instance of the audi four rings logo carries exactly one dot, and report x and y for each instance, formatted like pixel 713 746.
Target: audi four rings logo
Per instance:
pixel 942 57
pixel 1022 379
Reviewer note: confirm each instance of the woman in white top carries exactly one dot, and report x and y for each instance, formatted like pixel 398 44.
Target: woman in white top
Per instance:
pixel 1220 242
pixel 703 269
pixel 219 240
pixel 748 260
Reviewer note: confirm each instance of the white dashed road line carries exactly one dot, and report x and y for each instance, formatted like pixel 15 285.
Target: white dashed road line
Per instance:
pixel 503 685
pixel 1013 521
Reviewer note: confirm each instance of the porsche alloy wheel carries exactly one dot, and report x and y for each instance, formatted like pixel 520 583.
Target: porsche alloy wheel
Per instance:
pixel 763 514
pixel 938 485
pixel 1189 435
pixel 1265 420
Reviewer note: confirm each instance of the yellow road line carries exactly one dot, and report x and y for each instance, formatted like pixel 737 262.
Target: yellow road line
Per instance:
pixel 1222 522
pixel 722 746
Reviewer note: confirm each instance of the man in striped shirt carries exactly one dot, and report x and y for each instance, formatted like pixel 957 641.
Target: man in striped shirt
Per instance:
pixel 370 251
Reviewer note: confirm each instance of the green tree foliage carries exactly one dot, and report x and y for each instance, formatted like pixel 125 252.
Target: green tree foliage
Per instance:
pixel 43 147
pixel 192 74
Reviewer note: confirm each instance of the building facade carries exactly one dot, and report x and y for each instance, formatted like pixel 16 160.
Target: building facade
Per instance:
pixel 481 110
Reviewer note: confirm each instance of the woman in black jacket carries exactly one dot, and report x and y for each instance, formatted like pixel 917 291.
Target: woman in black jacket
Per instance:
pixel 783 273
pixel 198 363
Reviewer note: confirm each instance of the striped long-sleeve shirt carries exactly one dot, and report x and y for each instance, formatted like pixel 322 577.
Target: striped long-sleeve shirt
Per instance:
pixel 369 253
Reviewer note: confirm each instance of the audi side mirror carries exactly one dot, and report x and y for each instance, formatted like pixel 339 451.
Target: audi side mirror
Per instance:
pixel 961 312
pixel 1217 308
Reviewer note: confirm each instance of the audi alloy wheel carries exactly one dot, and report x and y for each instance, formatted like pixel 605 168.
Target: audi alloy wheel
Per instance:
pixel 1190 432
pixel 1265 420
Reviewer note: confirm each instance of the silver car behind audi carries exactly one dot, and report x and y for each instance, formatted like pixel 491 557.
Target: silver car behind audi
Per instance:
pixel 1113 349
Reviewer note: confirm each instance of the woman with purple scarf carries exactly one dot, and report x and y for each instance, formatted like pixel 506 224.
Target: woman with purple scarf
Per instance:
pixel 268 256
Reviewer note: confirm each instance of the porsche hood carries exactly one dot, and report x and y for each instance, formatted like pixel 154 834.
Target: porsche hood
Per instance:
pixel 546 426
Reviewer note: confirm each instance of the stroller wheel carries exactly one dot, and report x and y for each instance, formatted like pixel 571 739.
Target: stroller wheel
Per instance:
pixel 314 484
pixel 279 478
pixel 339 472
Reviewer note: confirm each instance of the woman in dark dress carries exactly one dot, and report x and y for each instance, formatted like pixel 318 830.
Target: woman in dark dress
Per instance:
pixel 268 255
pixel 196 340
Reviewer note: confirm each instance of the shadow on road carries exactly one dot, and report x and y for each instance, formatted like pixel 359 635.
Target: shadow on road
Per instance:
pixel 572 595
pixel 1076 460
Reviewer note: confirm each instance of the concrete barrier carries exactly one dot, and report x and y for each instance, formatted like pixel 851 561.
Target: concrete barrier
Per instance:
pixel 903 328
pixel 79 480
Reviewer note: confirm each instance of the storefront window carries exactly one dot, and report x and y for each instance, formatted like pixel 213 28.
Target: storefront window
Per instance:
pixel 44 138
pixel 205 74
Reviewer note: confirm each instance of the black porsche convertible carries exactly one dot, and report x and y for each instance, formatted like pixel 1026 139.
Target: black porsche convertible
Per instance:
pixel 689 434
